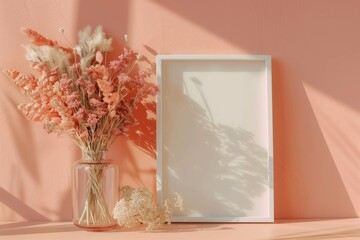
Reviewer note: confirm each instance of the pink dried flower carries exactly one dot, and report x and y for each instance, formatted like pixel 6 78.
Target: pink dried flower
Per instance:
pixel 80 114
pixel 72 100
pixel 105 86
pixel 90 88
pixel 92 119
pixel 123 78
pixel 96 103
pixel 80 81
pixel 97 72
pixel 123 61
pixel 76 67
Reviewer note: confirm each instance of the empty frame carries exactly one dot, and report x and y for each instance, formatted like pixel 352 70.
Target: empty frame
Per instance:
pixel 214 137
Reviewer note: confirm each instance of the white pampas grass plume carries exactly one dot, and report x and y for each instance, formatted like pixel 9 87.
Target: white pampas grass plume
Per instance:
pixel 50 56
pixel 90 43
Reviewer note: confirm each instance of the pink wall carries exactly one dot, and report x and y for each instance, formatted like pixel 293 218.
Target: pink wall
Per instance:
pixel 315 47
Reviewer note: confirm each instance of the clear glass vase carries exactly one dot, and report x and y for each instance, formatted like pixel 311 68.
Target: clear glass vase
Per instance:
pixel 95 193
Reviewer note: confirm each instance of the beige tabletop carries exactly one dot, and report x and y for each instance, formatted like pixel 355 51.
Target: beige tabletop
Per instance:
pixel 281 229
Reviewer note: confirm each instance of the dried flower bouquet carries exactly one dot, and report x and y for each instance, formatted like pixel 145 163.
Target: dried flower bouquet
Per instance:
pixel 79 93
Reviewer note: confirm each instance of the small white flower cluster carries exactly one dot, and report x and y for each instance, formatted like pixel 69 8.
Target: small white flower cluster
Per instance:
pixel 137 206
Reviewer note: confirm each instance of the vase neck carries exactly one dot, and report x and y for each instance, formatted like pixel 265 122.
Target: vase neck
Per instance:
pixel 88 156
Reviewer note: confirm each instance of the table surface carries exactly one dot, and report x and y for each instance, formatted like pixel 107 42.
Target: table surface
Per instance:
pixel 306 229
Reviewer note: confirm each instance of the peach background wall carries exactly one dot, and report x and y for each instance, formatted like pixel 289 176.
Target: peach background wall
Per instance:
pixel 315 47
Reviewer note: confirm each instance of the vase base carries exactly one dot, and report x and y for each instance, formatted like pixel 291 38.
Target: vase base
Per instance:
pixel 96 228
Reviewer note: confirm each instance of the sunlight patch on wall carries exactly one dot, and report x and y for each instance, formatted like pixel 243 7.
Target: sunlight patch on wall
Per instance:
pixel 176 31
pixel 340 126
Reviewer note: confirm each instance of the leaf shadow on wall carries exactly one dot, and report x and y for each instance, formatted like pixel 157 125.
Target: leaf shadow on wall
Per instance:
pixel 231 169
pixel 142 134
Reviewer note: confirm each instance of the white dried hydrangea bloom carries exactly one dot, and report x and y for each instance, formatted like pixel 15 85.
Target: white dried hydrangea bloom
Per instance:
pixel 137 206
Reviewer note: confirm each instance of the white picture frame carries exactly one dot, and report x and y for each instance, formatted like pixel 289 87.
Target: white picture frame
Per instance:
pixel 215 137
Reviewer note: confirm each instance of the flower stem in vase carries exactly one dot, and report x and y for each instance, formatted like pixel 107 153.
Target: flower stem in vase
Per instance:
pixel 92 189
